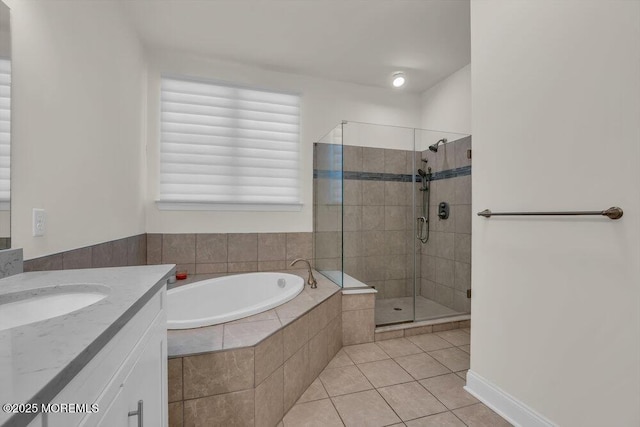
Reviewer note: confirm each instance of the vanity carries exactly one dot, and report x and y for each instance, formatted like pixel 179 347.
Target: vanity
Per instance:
pixel 84 347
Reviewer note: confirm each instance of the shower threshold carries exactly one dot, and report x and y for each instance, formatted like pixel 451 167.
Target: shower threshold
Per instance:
pixel 400 310
pixel 422 327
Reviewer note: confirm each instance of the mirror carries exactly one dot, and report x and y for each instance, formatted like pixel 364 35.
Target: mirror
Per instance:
pixel 5 127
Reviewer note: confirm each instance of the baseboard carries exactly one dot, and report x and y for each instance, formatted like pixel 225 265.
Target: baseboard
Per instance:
pixel 509 408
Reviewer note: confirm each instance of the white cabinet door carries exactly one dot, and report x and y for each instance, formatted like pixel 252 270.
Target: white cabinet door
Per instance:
pixel 36 422
pixel 116 413
pixel 145 383
pixel 132 367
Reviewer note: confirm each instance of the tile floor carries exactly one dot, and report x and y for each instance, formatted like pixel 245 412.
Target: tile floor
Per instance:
pixel 426 309
pixel 415 381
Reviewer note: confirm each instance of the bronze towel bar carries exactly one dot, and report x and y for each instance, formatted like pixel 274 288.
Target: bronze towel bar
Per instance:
pixel 612 213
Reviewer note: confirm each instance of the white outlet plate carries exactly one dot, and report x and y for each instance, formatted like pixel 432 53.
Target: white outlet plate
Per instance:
pixel 39 222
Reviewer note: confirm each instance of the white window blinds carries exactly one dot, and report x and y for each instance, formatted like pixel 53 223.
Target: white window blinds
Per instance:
pixel 225 145
pixel 5 133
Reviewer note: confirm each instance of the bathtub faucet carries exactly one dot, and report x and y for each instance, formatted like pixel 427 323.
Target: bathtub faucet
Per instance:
pixel 311 280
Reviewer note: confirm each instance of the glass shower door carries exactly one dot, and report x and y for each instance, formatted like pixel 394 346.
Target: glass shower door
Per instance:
pixel 328 201
pixel 443 276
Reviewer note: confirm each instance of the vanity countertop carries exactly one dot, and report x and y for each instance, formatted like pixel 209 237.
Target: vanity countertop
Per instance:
pixel 39 359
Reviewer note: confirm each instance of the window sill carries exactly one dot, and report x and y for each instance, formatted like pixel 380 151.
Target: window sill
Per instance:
pixel 207 206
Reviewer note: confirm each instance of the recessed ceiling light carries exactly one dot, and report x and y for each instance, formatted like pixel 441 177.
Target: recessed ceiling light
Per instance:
pixel 398 79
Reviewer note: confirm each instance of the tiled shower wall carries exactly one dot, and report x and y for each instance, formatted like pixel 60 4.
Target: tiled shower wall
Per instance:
pixel 378 219
pixel 446 257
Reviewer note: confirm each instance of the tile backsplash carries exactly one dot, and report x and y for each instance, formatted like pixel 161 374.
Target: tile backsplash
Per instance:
pixel 224 253
pixel 116 253
pixel 221 253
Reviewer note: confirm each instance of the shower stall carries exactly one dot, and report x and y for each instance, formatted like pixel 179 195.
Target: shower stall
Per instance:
pixel 392 211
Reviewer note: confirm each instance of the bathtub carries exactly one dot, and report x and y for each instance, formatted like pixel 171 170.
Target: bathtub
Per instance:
pixel 223 299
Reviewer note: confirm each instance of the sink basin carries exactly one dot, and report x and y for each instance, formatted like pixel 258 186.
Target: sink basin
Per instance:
pixel 36 305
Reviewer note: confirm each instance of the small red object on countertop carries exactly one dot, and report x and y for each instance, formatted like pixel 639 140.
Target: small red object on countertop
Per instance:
pixel 181 275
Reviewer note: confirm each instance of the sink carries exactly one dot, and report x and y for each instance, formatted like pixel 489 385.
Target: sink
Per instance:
pixel 36 305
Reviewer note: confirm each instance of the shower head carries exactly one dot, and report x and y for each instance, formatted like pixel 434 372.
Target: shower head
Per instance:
pixel 434 147
pixel 422 173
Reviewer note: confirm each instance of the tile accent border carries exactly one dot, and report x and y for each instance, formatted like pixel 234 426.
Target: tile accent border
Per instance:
pixel 395 177
pixel 505 405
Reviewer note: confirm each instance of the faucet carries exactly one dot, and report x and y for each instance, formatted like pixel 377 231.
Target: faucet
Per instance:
pixel 311 280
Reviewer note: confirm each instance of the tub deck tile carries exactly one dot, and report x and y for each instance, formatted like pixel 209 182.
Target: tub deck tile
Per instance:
pixel 186 342
pixel 248 334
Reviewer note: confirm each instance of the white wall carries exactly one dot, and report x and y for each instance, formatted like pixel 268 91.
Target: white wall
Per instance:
pixel 447 105
pixel 325 104
pixel 78 84
pixel 556 301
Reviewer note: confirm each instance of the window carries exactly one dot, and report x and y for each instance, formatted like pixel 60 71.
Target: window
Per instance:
pixel 5 133
pixel 227 147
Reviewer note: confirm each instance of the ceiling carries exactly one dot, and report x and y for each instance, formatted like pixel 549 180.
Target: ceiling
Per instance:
pixel 357 41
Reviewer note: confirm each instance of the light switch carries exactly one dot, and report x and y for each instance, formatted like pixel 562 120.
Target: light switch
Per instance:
pixel 39 222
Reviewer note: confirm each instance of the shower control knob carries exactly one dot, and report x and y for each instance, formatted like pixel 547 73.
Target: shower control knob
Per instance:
pixel 443 210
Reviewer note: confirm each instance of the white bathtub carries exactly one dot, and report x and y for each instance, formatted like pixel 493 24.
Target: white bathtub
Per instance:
pixel 223 299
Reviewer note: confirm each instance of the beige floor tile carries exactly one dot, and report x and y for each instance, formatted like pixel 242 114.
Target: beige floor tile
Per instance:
pixel 421 366
pixel 453 358
pixel 448 389
pixel 456 337
pixel 411 400
pixel 384 372
pixel 429 342
pixel 462 374
pixel 340 360
pixel 344 380
pixel 315 391
pixel 465 348
pixel 399 347
pixel 363 353
pixel 446 419
pixel 366 408
pixel 320 413
pixel 480 416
